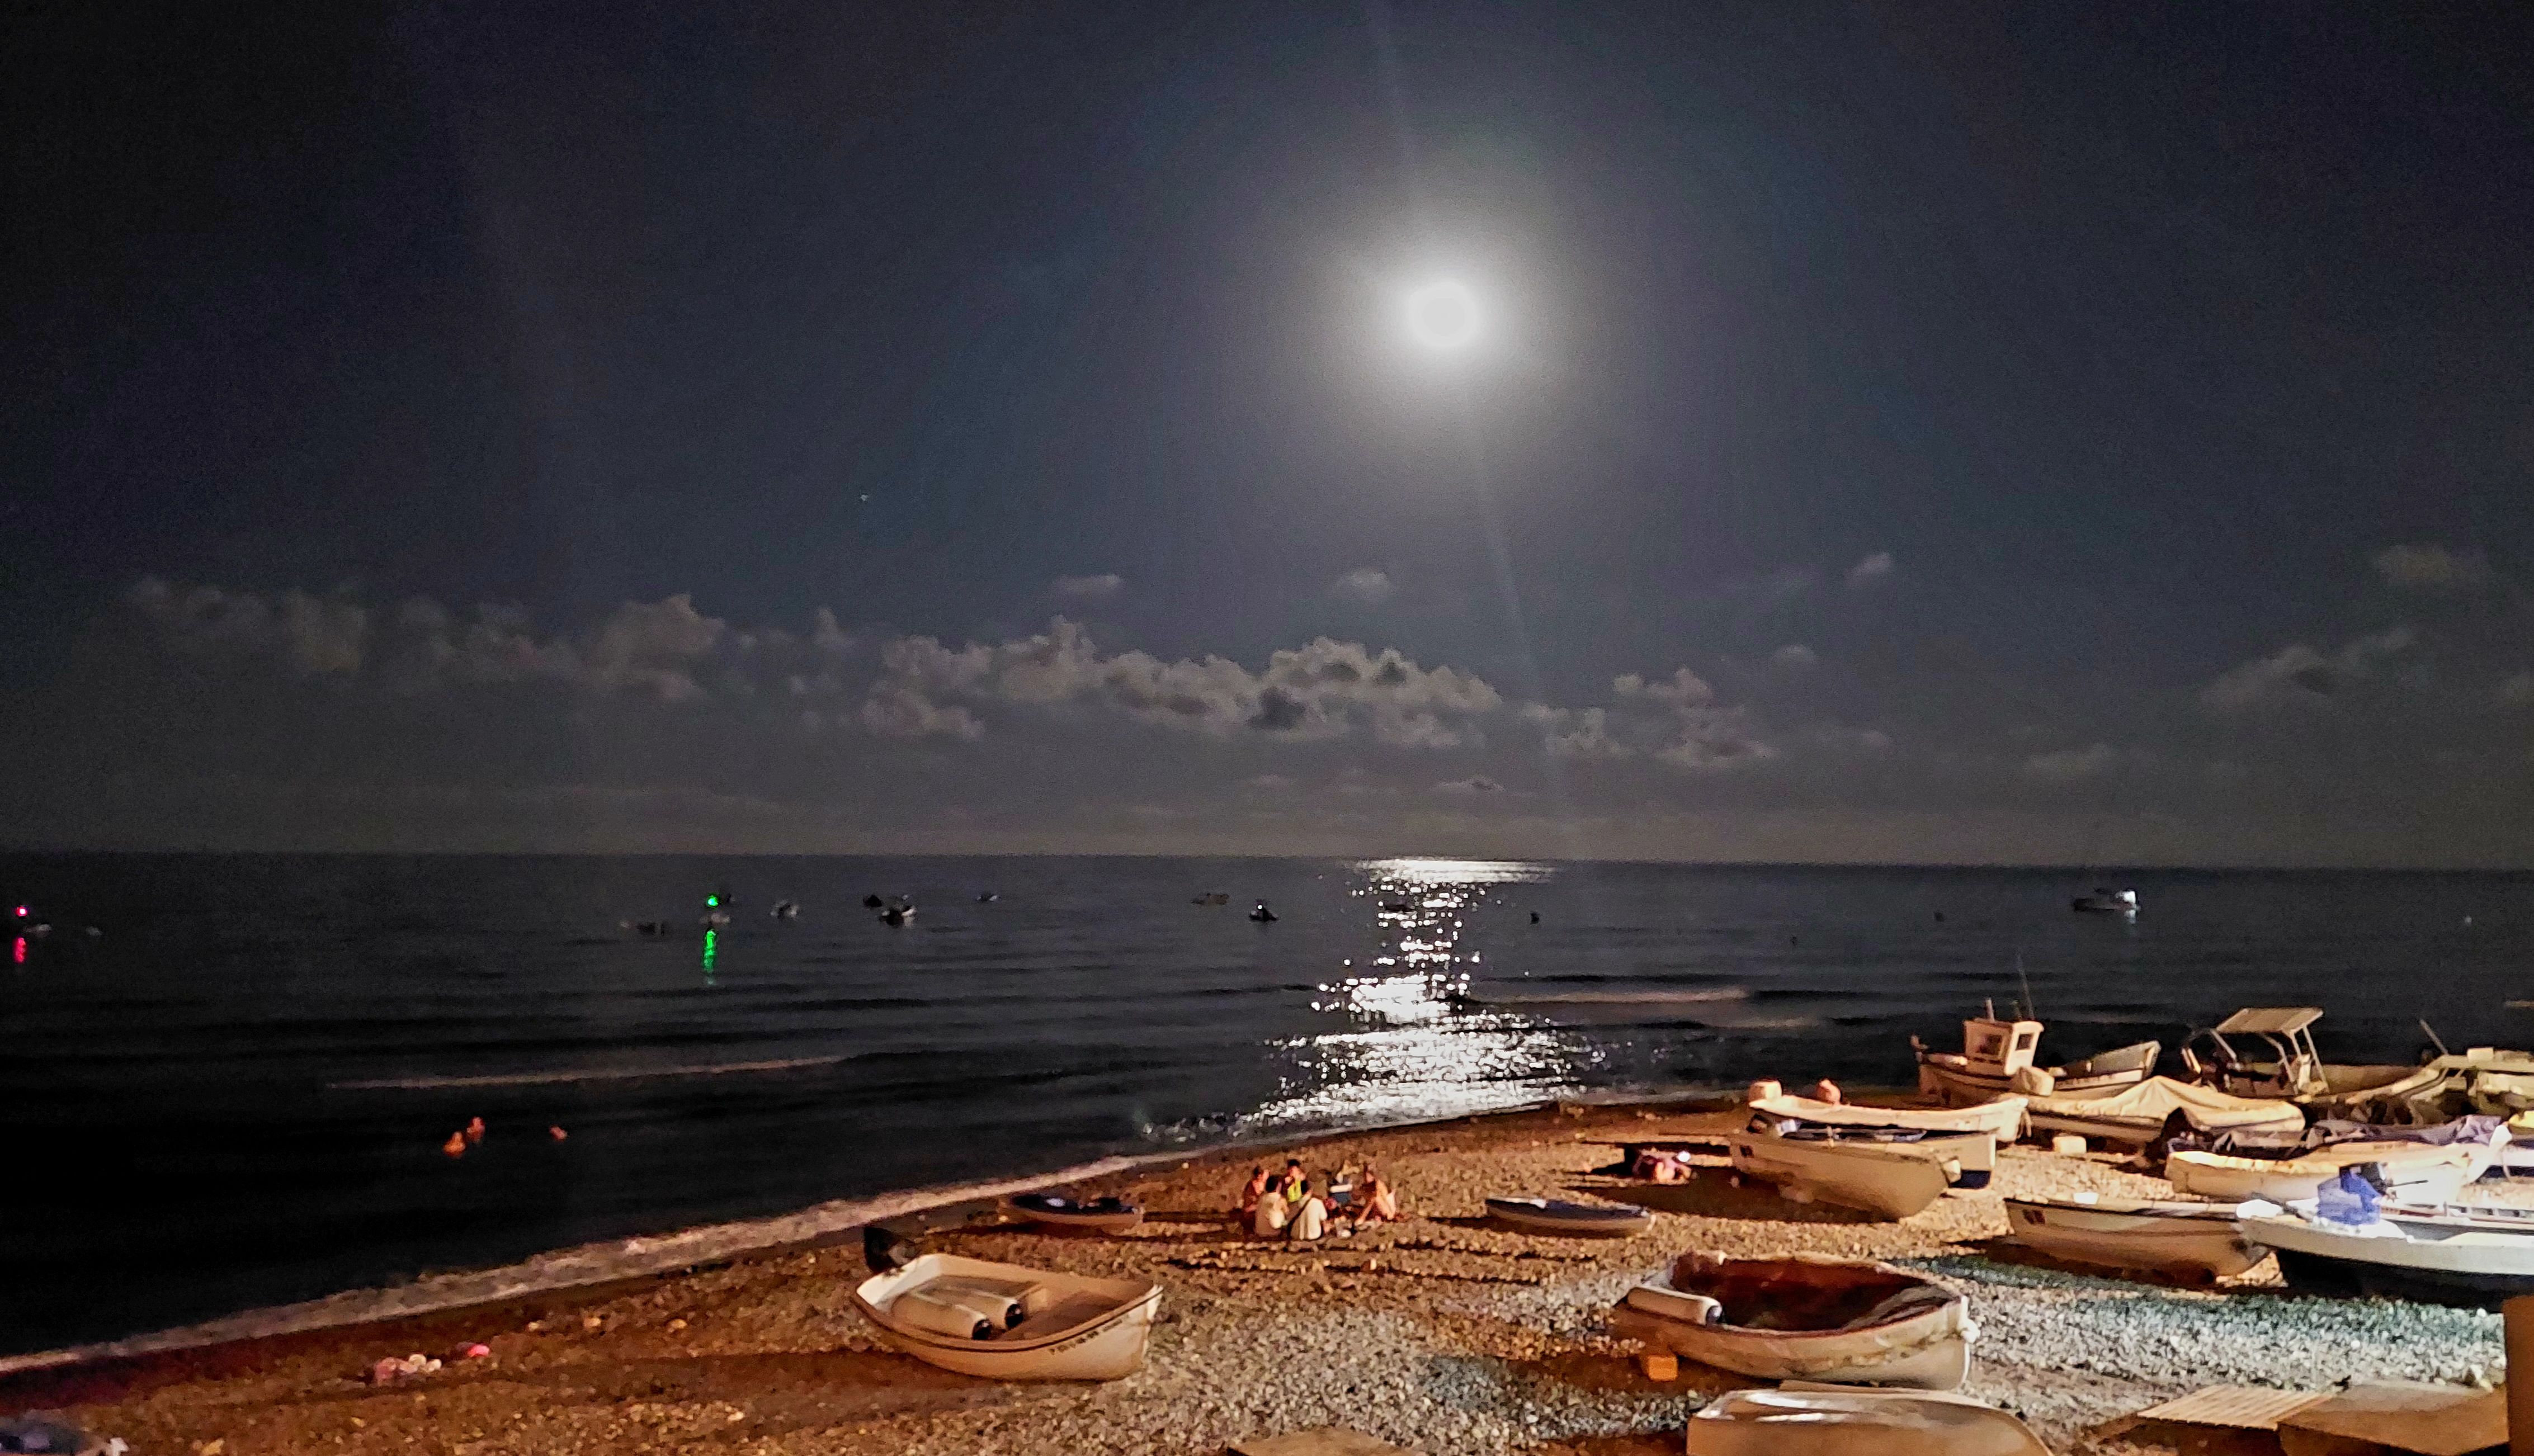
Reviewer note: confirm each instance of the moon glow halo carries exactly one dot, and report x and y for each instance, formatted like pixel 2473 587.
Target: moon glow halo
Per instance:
pixel 1443 315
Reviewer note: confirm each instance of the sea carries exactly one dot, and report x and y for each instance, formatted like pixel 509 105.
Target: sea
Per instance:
pixel 229 1079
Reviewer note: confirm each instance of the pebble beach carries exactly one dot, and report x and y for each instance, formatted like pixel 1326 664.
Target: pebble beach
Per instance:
pixel 1444 1334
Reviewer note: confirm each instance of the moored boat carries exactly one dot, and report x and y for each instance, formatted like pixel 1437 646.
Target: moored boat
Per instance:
pixel 1892 1180
pixel 1997 1058
pixel 1856 1422
pixel 2106 902
pixel 1808 1317
pixel 1558 1216
pixel 2185 1239
pixel 2144 1113
pixel 2442 1258
pixel 1009 1322
pixel 1098 1215
pixel 2411 1171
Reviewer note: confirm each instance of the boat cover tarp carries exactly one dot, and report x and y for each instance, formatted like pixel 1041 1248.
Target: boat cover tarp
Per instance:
pixel 2004 1113
pixel 2159 1098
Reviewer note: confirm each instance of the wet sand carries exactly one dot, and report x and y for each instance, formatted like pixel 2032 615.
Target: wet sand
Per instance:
pixel 1444 1334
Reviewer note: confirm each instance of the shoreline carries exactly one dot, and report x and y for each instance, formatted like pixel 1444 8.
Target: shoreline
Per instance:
pixel 591 1265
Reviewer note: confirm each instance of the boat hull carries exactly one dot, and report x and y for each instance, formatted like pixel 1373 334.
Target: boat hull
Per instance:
pixel 2182 1241
pixel 2001 1117
pixel 2412 1173
pixel 1582 1221
pixel 1855 1422
pixel 1093 1221
pixel 2446 1263
pixel 1890 1180
pixel 1106 1341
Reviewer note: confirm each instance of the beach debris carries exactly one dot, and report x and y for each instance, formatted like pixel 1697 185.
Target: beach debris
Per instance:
pixel 557 1133
pixel 456 1146
pixel 477 1351
pixel 592 1321
pixel 1659 1367
pixel 393 1369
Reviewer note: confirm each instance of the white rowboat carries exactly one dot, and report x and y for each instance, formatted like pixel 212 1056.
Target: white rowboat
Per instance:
pixel 1810 1317
pixel 2413 1172
pixel 1855 1422
pixel 2193 1240
pixel 1071 1327
pixel 1892 1180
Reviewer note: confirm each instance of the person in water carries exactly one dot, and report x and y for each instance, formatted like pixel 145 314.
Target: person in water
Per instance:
pixel 1310 1217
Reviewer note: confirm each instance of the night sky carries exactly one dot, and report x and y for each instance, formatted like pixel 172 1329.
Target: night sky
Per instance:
pixel 1924 433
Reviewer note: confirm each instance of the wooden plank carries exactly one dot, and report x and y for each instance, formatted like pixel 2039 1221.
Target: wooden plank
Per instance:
pixel 2419 1419
pixel 1325 1440
pixel 2240 1407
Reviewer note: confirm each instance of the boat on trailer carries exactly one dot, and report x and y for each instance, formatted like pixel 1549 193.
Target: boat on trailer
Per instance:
pixel 2176 1238
pixel 1996 1052
pixel 1810 1317
pixel 1009 1322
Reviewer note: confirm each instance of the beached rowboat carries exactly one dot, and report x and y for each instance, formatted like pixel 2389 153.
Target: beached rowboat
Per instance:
pixel 2441 1258
pixel 2414 1172
pixel 1558 1216
pixel 1097 1215
pixel 1007 1322
pixel 1809 1317
pixel 2192 1241
pixel 1856 1422
pixel 2002 1118
pixel 1893 1180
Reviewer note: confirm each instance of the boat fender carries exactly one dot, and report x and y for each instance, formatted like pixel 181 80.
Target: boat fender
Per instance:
pixel 955 1317
pixel 1672 1304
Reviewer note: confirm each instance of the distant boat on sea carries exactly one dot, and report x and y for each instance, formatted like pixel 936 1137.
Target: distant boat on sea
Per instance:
pixel 2106 902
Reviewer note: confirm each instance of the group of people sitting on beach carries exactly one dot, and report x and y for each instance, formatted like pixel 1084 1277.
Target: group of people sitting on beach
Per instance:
pixel 1291 1205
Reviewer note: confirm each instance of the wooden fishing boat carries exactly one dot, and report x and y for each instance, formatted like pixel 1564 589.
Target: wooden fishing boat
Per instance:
pixel 2184 1240
pixel 2002 1118
pixel 2142 1113
pixel 1856 1422
pixel 1996 1054
pixel 1970 1157
pixel 1892 1180
pixel 1097 1215
pixel 2442 1258
pixel 2413 1172
pixel 1808 1317
pixel 1558 1216
pixel 1008 1322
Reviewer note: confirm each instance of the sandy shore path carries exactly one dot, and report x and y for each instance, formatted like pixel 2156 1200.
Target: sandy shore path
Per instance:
pixel 1445 1334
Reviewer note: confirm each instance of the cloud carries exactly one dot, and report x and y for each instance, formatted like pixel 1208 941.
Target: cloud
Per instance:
pixel 1090 588
pixel 2299 673
pixel 2517 688
pixel 1672 720
pixel 1369 586
pixel 1682 689
pixel 1794 656
pixel 896 710
pixel 1474 785
pixel 314 636
pixel 2071 765
pixel 1873 571
pixel 2426 567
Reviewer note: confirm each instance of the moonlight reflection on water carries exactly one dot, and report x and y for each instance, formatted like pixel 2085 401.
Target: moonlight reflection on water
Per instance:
pixel 1406 1050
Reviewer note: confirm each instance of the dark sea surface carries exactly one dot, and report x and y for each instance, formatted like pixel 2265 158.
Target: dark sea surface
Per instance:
pixel 236 1092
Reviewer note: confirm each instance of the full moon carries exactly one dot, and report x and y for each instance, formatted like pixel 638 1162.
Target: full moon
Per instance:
pixel 1443 315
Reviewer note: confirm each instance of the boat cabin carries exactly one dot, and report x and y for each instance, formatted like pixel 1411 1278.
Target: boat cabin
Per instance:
pixel 2294 1067
pixel 1999 1049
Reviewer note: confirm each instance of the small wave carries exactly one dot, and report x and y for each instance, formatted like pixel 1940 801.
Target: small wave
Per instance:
pixel 1617 998
pixel 599 1075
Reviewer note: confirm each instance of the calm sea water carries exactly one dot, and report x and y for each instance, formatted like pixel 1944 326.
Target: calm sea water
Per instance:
pixel 236 1092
